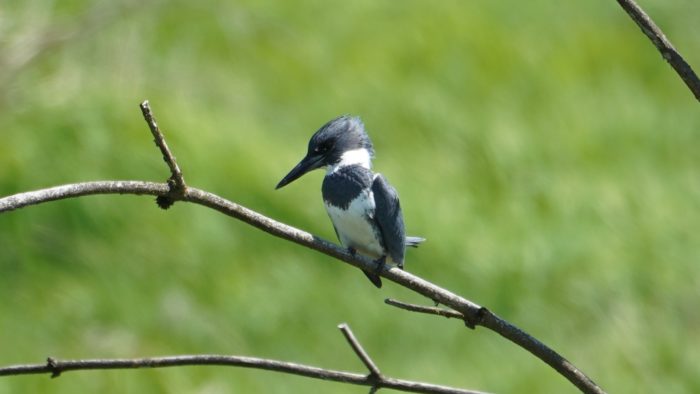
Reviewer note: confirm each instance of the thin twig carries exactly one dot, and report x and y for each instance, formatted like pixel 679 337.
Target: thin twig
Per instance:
pixel 355 344
pixel 57 367
pixel 176 178
pixel 668 51
pixel 431 310
pixel 473 313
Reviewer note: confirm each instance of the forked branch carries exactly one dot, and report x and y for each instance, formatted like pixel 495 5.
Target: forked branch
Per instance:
pixel 355 345
pixel 472 313
pixel 176 182
pixel 57 367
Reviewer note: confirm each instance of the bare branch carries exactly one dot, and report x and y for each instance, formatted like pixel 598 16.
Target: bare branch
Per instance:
pixel 473 314
pixel 424 309
pixel 658 38
pixel 56 367
pixel 61 192
pixel 176 174
pixel 176 180
pixel 355 344
pixel 516 335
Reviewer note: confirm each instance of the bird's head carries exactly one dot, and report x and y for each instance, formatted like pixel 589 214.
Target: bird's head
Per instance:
pixel 342 141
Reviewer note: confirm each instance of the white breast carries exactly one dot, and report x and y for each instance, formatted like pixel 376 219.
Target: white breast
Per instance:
pixel 354 229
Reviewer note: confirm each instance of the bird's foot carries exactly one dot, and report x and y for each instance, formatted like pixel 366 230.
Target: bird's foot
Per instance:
pixel 352 251
pixel 381 263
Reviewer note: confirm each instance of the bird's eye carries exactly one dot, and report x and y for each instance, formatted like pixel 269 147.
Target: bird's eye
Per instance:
pixel 323 148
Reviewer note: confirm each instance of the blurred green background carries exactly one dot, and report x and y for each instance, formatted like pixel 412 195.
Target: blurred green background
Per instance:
pixel 545 149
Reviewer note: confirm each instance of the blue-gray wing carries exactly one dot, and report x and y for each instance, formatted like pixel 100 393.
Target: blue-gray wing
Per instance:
pixel 389 219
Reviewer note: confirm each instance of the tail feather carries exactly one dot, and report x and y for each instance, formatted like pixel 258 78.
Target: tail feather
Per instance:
pixel 374 278
pixel 414 241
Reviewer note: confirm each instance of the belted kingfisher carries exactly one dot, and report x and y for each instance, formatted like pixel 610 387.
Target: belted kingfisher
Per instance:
pixel 363 207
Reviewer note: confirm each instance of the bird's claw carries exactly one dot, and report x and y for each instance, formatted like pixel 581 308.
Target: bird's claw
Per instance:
pixel 381 263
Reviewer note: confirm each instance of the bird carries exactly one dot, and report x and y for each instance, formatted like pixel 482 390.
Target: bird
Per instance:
pixel 363 207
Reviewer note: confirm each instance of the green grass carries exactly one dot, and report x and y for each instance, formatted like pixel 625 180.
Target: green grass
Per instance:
pixel 546 151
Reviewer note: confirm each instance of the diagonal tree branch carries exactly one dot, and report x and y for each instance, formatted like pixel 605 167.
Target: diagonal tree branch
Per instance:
pixel 474 314
pixel 159 139
pixel 658 38
pixel 176 182
pixel 56 367
pixel 359 350
pixel 430 310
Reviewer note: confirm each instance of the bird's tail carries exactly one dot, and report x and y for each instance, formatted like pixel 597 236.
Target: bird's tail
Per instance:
pixel 414 241
pixel 374 278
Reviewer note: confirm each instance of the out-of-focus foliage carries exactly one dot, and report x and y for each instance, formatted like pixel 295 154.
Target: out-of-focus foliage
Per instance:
pixel 546 151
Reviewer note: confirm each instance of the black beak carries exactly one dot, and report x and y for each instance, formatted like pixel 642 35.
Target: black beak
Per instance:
pixel 307 164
